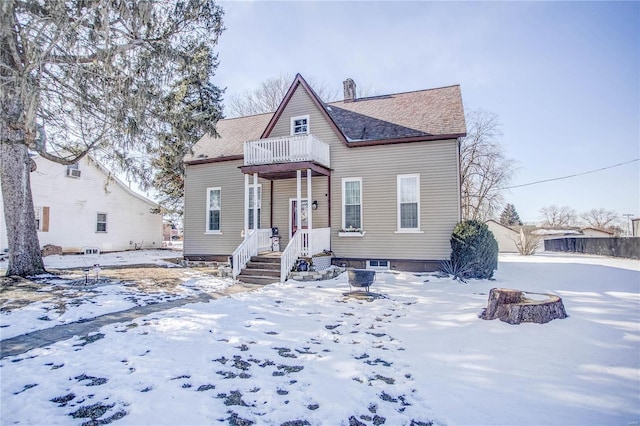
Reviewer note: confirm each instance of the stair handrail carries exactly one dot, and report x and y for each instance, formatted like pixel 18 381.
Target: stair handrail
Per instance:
pixel 291 254
pixel 248 248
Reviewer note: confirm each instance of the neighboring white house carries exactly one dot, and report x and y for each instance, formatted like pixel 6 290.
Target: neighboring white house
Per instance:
pixel 83 206
pixel 595 233
pixel 505 236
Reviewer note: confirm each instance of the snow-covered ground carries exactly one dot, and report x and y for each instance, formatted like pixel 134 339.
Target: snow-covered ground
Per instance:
pixel 86 302
pixel 300 354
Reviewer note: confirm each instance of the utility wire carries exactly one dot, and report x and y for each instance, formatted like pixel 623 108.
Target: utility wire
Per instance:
pixel 570 176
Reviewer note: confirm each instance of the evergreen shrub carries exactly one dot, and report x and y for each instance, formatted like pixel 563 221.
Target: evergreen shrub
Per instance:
pixel 474 247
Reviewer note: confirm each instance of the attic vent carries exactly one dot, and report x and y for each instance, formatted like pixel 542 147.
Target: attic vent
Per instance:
pixel 349 90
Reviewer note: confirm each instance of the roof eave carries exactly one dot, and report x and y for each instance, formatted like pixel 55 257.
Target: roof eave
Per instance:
pixel 214 160
pixel 355 144
pixel 299 80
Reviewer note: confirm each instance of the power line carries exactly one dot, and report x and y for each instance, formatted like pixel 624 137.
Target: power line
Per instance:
pixel 570 176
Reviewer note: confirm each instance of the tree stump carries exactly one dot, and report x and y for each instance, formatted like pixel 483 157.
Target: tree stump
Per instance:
pixel 513 307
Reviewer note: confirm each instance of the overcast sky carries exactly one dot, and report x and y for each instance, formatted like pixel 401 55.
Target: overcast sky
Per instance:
pixel 563 77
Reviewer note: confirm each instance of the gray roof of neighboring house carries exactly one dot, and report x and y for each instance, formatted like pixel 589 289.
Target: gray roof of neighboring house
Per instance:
pixel 430 114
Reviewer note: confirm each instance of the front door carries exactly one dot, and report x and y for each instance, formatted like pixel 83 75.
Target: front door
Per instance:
pixel 293 212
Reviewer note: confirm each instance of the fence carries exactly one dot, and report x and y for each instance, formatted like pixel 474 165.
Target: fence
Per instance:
pixel 617 247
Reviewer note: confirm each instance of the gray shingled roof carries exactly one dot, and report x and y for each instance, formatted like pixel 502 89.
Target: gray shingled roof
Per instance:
pixel 422 113
pixel 428 113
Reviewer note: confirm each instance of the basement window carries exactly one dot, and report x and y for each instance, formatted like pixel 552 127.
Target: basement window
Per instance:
pixel 380 265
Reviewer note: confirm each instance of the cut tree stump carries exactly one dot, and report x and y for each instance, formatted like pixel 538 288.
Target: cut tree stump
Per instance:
pixel 513 307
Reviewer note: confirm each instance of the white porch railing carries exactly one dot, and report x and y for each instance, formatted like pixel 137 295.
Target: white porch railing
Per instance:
pixel 302 245
pixel 320 240
pixel 286 149
pixel 290 255
pixel 257 241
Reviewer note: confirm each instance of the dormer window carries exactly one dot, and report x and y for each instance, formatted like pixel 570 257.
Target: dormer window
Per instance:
pixel 300 125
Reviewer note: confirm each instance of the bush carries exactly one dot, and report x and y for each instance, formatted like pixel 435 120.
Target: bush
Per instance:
pixel 474 247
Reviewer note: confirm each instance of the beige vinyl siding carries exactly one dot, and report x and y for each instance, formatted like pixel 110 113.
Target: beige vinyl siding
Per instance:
pixel 285 189
pixel 227 176
pixel 378 166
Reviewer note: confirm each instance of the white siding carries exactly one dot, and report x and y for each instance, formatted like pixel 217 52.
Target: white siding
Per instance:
pixel 75 202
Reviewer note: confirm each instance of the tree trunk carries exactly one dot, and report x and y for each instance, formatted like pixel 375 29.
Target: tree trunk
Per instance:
pixel 22 236
pixel 512 307
pixel 15 165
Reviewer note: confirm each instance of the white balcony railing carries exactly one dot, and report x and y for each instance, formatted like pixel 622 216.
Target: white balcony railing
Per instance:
pixel 286 149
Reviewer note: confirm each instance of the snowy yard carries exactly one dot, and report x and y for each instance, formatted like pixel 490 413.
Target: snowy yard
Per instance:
pixel 301 354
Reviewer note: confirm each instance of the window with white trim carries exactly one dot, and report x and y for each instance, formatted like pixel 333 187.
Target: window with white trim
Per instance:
pixel 300 125
pixel 352 204
pixel 409 202
pixel 214 204
pixel 255 205
pixel 101 222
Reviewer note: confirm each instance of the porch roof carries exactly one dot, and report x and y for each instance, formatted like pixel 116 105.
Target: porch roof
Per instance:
pixel 285 170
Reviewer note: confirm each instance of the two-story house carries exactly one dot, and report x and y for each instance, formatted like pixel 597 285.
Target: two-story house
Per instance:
pixel 375 180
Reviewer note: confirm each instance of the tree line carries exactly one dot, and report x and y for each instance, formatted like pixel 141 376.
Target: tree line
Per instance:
pixel 559 217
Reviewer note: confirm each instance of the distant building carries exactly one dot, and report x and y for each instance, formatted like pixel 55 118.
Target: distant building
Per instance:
pixel 83 206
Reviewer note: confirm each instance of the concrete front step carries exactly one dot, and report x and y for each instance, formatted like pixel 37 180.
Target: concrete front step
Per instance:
pixel 262 269
pixel 254 279
pixel 261 272
pixel 266 259
pixel 263 265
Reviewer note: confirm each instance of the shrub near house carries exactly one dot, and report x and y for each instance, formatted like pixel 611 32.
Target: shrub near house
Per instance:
pixel 474 248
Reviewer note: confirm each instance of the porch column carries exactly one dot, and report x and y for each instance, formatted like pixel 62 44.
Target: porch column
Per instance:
pixel 298 199
pixel 255 201
pixel 309 211
pixel 246 206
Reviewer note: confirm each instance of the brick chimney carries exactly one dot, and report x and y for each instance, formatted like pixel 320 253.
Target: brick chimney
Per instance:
pixel 349 90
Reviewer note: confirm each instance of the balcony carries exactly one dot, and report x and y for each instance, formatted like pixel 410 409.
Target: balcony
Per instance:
pixel 287 149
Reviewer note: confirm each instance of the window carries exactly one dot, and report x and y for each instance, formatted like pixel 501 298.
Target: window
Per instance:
pixel 73 170
pixel 101 222
pixel 352 204
pixel 408 203
pixel 257 205
pixel 381 265
pixel 213 209
pixel 300 125
pixel 38 213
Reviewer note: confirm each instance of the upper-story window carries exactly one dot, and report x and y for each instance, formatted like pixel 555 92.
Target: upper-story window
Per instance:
pixel 300 125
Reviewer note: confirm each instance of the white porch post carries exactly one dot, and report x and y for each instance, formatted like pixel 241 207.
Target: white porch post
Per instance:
pixel 255 202
pixel 309 210
pixel 298 199
pixel 246 206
